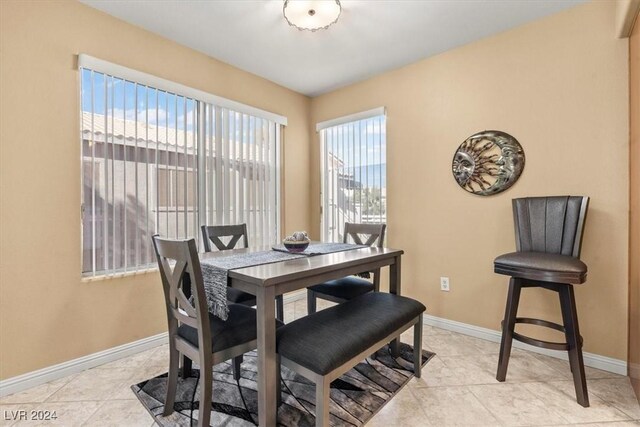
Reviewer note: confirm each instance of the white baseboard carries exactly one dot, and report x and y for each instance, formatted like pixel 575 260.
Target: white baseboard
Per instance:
pixel 597 361
pixel 41 376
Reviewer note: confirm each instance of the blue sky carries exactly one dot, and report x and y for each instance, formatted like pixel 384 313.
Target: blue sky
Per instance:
pixel 349 142
pixel 121 100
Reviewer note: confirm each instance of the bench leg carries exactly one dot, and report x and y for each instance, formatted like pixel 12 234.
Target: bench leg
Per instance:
pixel 417 348
pixel 311 302
pixel 323 388
pixel 395 348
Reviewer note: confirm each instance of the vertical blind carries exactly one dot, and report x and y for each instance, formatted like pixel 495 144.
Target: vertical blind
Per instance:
pixel 241 183
pixel 353 173
pixel 154 161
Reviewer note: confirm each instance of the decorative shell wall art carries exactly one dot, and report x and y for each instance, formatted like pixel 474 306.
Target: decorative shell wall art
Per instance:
pixel 488 162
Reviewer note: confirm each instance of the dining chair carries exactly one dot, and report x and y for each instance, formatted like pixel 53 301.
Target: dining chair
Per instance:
pixel 212 234
pixel 193 331
pixel 350 287
pixel 548 241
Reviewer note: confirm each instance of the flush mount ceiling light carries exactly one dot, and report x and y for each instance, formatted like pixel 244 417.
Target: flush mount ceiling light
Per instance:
pixel 311 15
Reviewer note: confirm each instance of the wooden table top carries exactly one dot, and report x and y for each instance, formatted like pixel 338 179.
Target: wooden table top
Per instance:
pixel 298 268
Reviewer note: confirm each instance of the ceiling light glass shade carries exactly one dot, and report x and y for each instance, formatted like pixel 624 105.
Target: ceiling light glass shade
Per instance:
pixel 311 15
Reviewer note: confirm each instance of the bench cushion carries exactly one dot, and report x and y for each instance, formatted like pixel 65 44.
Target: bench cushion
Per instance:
pixel 326 340
pixel 345 288
pixel 542 266
pixel 239 328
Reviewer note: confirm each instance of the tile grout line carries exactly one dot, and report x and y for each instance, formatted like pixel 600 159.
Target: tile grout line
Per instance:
pixel 84 422
pixel 422 409
pixel 485 406
pixel 613 404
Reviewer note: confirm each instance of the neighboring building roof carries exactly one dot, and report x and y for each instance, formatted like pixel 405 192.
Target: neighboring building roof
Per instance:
pixel 120 129
pixel 139 134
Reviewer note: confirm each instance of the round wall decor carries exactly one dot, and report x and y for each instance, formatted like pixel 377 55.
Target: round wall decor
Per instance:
pixel 488 162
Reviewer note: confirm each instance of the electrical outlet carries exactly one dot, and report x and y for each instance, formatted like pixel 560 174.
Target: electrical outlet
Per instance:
pixel 444 284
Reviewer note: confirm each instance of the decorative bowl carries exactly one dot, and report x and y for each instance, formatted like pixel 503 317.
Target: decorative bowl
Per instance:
pixel 295 246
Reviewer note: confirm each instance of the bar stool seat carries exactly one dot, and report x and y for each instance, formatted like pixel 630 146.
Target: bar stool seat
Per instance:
pixel 542 266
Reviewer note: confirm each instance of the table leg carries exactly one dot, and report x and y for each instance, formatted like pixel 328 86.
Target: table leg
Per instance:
pixel 395 286
pixel 266 330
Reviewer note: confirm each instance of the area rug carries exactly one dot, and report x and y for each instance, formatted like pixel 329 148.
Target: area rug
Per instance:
pixel 355 397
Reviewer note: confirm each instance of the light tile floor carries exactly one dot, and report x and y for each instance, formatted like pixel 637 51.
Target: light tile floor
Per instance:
pixel 457 387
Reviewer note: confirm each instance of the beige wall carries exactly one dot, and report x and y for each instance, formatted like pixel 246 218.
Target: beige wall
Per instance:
pixel 47 315
pixel 634 205
pixel 559 85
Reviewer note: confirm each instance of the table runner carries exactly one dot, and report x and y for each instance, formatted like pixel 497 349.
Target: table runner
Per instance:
pixel 321 248
pixel 215 271
pixel 215 274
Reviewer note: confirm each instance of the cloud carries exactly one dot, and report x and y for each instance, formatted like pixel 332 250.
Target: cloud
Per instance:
pixel 159 118
pixel 129 114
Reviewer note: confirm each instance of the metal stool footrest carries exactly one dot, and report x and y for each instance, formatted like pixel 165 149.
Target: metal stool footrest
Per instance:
pixel 550 345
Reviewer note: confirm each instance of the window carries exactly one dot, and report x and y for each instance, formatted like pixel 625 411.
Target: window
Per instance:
pixel 353 171
pixel 167 161
pixel 171 196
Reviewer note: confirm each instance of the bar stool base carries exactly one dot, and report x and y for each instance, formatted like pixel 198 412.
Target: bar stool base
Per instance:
pixel 573 344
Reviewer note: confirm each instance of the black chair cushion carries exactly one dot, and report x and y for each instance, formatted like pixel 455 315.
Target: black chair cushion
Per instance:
pixel 240 297
pixel 325 340
pixel 346 288
pixel 239 328
pixel 542 266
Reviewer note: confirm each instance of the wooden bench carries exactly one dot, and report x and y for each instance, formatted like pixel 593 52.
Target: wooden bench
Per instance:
pixel 324 345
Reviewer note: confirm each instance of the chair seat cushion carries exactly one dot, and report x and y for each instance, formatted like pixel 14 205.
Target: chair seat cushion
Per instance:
pixel 326 340
pixel 240 297
pixel 542 266
pixel 239 328
pixel 346 288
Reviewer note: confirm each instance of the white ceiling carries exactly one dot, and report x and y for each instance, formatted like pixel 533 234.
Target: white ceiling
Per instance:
pixel 369 38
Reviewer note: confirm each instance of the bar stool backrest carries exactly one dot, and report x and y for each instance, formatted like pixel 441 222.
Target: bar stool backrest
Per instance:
pixel 552 225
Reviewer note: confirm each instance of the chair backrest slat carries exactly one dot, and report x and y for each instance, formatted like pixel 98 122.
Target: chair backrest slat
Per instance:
pixel 212 234
pixel 186 273
pixel 373 233
pixel 550 224
pixel 183 318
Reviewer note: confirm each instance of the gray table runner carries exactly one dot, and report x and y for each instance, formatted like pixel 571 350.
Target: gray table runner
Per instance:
pixel 215 274
pixel 215 271
pixel 322 248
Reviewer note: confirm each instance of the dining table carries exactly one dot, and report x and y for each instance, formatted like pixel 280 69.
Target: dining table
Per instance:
pixel 266 281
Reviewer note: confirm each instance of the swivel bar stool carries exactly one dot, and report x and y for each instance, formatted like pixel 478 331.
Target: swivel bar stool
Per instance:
pixel 548 240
